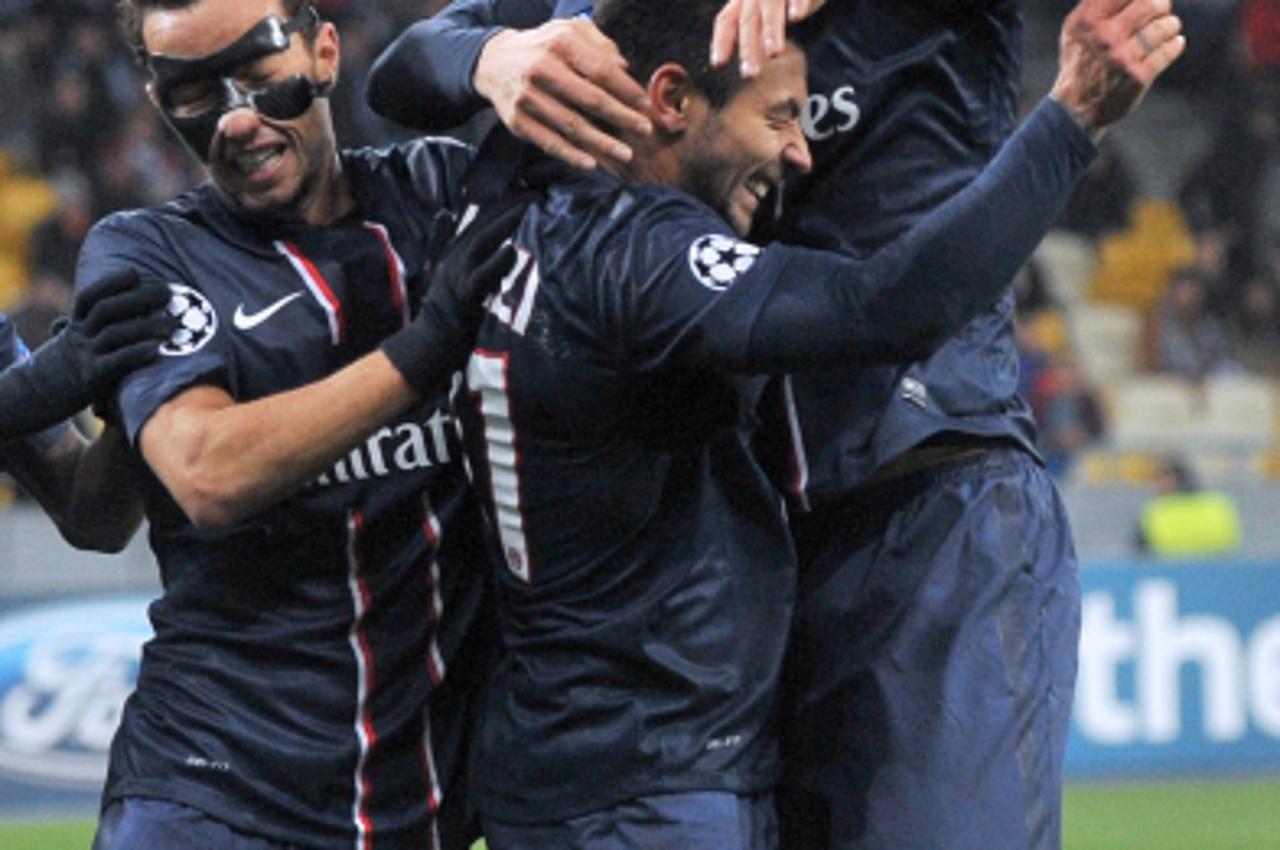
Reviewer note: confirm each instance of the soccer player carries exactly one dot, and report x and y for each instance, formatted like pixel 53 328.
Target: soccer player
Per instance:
pixel 646 596
pixel 322 560
pixel 934 655
pixel 116 325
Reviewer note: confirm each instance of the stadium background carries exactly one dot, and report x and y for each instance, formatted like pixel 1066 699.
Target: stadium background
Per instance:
pixel 1176 740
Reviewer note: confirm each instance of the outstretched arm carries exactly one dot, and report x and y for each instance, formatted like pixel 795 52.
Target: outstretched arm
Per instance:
pixel 924 286
pixel 115 327
pixel 223 460
pixel 553 83
pixel 88 489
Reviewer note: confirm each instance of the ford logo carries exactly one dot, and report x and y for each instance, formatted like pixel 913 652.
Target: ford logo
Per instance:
pixel 65 671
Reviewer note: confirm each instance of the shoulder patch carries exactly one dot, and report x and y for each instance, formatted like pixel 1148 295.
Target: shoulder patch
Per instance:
pixel 717 260
pixel 197 321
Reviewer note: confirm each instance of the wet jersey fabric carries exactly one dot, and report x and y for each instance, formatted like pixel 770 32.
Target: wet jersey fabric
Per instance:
pixel 646 592
pixel 933 663
pixel 13 351
pixel 286 689
pixel 693 820
pixel 648 565
pixel 908 103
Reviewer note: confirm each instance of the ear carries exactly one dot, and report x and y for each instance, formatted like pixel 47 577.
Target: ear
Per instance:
pixel 327 51
pixel 671 98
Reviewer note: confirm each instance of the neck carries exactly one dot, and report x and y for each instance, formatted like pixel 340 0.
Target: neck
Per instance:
pixel 332 198
pixel 655 160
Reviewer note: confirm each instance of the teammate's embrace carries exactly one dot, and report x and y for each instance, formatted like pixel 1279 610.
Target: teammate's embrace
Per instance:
pixel 646 598
pixel 888 746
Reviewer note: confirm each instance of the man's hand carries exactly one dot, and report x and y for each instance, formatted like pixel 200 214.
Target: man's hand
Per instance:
pixel 464 274
pixel 116 326
pixel 757 28
pixel 549 84
pixel 1111 53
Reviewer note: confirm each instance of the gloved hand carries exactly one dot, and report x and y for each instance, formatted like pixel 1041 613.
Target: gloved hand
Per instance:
pixel 464 273
pixel 116 326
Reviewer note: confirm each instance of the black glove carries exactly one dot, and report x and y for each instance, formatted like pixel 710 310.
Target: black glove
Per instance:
pixel 116 326
pixel 464 273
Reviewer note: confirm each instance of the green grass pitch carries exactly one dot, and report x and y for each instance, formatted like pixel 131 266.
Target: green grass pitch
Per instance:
pixel 1215 815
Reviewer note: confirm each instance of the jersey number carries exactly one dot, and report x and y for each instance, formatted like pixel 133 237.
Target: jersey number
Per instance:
pixel 513 304
pixel 487 377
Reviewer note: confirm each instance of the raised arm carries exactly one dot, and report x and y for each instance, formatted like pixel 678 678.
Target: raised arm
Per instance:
pixel 424 78
pixel 549 81
pixel 905 300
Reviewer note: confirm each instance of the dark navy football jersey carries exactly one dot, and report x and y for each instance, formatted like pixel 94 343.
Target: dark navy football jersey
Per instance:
pixel 649 575
pixel 13 351
pixel 648 579
pixel 908 102
pixel 285 689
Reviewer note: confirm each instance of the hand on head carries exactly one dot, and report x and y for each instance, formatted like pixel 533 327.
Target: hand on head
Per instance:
pixel 552 86
pixel 757 29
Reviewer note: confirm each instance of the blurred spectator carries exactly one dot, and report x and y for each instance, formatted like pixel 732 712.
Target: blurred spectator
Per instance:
pixel 1223 193
pixel 1067 410
pixel 63 136
pixel 1261 32
pixel 1100 204
pixel 139 165
pixel 56 241
pixel 1255 329
pixel 17 114
pixel 46 299
pixel 1068 414
pixel 1184 521
pixel 1181 336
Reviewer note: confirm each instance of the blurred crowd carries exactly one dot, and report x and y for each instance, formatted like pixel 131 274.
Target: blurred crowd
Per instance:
pixel 78 139
pixel 1201 269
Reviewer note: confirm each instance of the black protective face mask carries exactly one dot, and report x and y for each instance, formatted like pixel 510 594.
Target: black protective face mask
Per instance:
pixel 197 123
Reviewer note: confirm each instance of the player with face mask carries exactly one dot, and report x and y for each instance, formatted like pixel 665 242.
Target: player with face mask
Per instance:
pixel 322 625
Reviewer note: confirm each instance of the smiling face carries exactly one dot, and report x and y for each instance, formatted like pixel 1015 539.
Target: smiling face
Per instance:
pixel 265 167
pixel 733 156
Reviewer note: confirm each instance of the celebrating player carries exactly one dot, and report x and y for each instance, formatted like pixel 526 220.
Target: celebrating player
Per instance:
pixel 322 559
pixel 648 579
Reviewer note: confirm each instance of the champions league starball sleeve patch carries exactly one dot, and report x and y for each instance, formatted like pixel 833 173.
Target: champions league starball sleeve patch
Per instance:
pixel 197 321
pixel 717 260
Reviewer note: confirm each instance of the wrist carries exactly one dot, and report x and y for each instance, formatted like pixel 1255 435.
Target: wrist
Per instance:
pixel 1062 96
pixel 485 78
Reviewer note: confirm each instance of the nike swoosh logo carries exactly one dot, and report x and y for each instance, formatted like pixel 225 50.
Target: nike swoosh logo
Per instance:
pixel 248 321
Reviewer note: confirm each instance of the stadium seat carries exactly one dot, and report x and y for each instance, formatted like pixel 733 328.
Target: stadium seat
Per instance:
pixel 1240 410
pixel 1068 261
pixel 1108 340
pixel 1153 413
pixel 1134 266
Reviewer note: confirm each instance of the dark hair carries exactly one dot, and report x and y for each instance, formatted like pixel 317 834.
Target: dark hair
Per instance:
pixel 650 33
pixel 132 13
